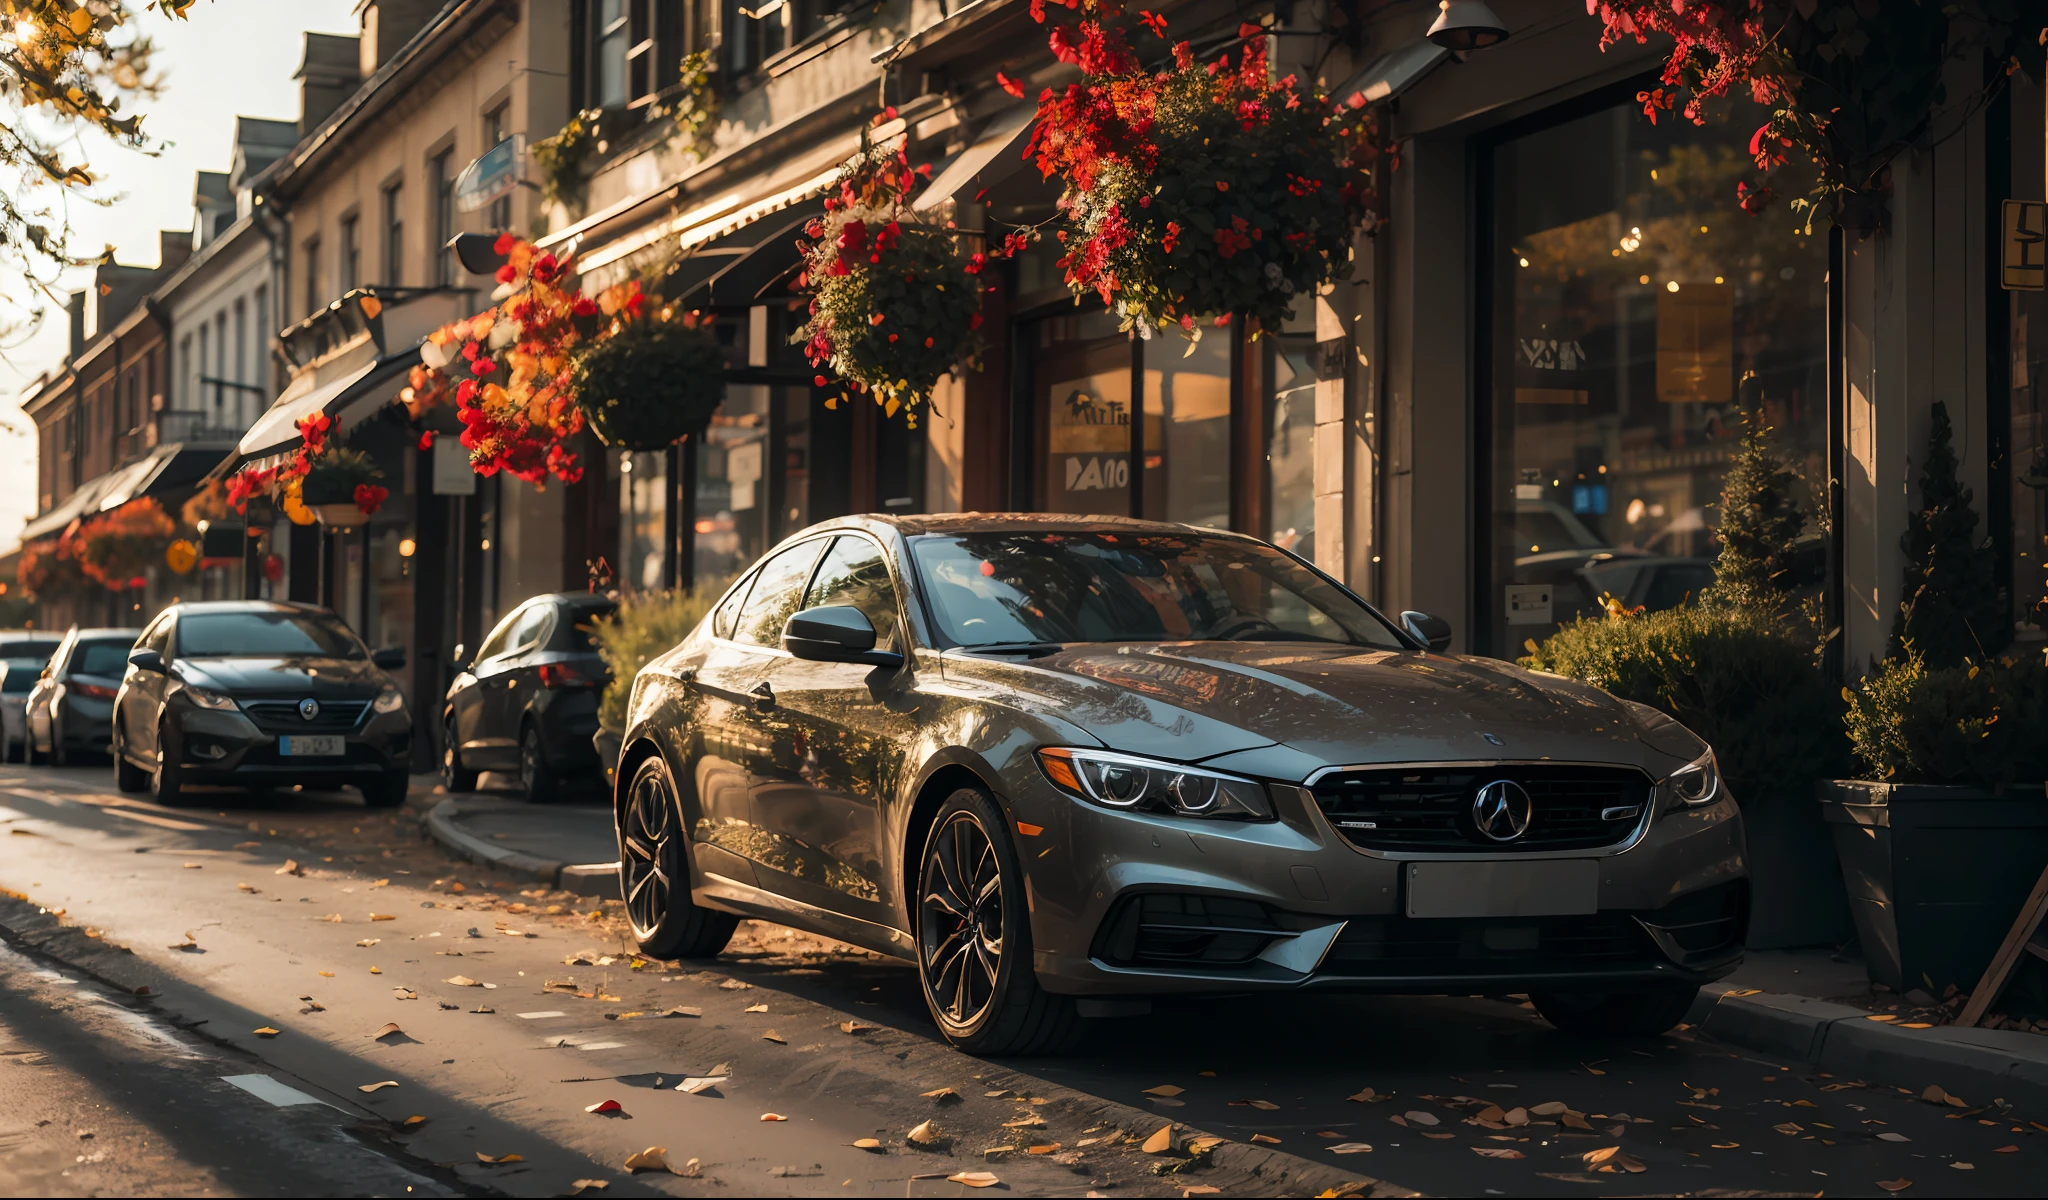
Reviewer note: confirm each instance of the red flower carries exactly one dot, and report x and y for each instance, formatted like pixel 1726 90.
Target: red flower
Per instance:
pixel 506 274
pixel 504 244
pixel 1172 237
pixel 1010 85
pixel 369 497
pixel 1153 21
pixel 584 307
pixel 427 440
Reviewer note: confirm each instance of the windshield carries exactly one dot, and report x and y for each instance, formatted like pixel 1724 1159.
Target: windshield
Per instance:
pixel 265 635
pixel 1005 588
pixel 104 658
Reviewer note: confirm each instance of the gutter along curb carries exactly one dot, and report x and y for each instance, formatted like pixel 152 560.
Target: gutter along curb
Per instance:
pixel 444 824
pixel 1982 1064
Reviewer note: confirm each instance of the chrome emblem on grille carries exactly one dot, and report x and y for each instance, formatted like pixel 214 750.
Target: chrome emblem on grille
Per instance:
pixel 1502 810
pixel 308 709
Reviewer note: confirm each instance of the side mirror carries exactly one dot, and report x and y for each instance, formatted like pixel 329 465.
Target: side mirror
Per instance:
pixel 836 633
pixel 146 660
pixel 1434 632
pixel 390 658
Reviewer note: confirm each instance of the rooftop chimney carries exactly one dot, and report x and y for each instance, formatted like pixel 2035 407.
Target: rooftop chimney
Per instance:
pixel 74 306
pixel 327 76
pixel 387 26
pixel 173 247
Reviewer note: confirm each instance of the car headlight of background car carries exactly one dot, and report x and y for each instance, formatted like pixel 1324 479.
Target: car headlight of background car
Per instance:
pixel 1697 782
pixel 1152 785
pixel 208 698
pixel 389 700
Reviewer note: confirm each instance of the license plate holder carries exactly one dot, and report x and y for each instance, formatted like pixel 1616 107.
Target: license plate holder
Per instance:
pixel 313 745
pixel 1554 887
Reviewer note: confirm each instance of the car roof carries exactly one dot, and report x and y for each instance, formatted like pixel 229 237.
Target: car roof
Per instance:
pixel 248 606
pixel 1000 522
pixel 89 634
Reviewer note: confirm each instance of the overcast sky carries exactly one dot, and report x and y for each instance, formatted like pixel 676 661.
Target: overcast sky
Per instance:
pixel 232 57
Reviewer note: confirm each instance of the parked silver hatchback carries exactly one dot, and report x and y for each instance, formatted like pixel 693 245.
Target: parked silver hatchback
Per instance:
pixel 1065 764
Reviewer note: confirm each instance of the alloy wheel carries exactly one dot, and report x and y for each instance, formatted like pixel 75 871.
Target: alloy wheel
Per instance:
pixel 646 842
pixel 960 934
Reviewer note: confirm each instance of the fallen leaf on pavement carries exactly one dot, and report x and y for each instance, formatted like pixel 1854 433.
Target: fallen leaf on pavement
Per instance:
pixel 377 1087
pixel 684 1010
pixel 1551 1109
pixel 313 1006
pixel 1263 1105
pixel 246 888
pixel 1916 1025
pixel 1572 1120
pixel 773 1117
pixel 499 1158
pixel 871 1145
pixel 386 1030
pixel 382 917
pixel 1200 1189
pixel 1492 1114
pixel 483 1008
pixel 1889 1136
pixel 1205 1143
pixel 1881 1017
pixel 1368 1096
pixel 413 1122
pixel 1400 1120
pixel 327 974
pixel 1441 1137
pixel 585 1185
pixel 404 993
pixel 1264 1140
pixel 734 985
pixel 1895 1185
pixel 654 1158
pixel 698 1083
pixel 1590 1069
pixel 1962 1166
pixel 194 866
pixel 856 1028
pixel 1496 1152
pixel 944 1095
pixel 604 1106
pixel 190 943
pixel 1160 1142
pixel 1934 1095
pixel 1164 1089
pixel 755 1008
pixel 291 867
pixel 924 1133
pixel 973 1179
pixel 2007 1150
pixel 1789 1129
pixel 1421 1118
pixel 1027 1121
pixel 268 1032
pixel 462 981
pixel 1351 1148
pixel 772 1036
pixel 1727 1145
pixel 1516 1116
pixel 366 942
pixel 332 918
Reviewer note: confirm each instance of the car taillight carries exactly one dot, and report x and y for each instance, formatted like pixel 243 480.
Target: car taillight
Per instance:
pixel 566 675
pixel 97 690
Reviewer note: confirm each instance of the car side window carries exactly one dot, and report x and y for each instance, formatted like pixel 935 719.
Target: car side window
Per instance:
pixel 727 616
pixel 532 629
pixel 495 644
pixel 157 637
pixel 778 593
pixel 855 572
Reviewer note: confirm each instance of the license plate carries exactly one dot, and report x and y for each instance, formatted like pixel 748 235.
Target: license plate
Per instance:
pixel 1556 887
pixel 312 746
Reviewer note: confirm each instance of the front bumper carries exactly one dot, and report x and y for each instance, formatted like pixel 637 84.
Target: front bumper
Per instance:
pixel 84 722
pixel 1131 903
pixel 214 746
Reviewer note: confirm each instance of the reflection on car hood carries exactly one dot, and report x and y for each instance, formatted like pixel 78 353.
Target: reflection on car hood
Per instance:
pixel 1341 704
pixel 293 677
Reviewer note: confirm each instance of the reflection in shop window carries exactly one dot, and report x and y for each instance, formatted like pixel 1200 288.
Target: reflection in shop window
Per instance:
pixel 1187 430
pixel 1638 315
pixel 643 520
pixel 1288 509
pixel 1081 390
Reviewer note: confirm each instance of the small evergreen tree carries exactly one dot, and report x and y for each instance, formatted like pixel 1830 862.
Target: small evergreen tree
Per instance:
pixel 1760 520
pixel 1947 606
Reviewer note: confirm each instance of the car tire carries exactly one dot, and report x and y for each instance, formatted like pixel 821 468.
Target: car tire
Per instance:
pixel 387 791
pixel 974 938
pixel 167 781
pixel 654 876
pixel 58 757
pixel 127 776
pixel 538 782
pixel 1645 1012
pixel 455 778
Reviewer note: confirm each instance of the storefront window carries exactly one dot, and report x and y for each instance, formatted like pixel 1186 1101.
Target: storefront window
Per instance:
pixel 1287 507
pixel 1637 315
pixel 1187 429
pixel 2027 376
pixel 643 520
pixel 732 500
pixel 1080 390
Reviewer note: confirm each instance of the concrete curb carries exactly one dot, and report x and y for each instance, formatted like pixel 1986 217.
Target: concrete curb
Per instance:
pixel 1981 1064
pixel 443 823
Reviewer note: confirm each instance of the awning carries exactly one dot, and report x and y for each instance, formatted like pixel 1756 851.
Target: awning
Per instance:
pixel 83 502
pixel 741 279
pixel 993 157
pixel 277 430
pixel 1393 73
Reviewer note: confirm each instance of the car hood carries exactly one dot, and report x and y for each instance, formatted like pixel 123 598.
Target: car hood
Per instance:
pixel 1341 705
pixel 289 677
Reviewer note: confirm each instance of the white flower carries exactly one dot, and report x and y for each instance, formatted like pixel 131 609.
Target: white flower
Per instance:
pixel 1273 270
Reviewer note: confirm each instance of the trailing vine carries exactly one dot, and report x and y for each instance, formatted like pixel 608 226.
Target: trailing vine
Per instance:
pixel 564 157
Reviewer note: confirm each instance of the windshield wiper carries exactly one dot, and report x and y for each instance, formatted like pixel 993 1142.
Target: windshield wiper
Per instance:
pixel 1027 649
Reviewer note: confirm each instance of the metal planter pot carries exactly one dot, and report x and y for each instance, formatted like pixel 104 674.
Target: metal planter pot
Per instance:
pixel 1935 875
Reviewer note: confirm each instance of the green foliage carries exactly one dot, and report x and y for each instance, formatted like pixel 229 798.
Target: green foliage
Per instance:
pixel 562 159
pixel 647 624
pixel 651 383
pixel 335 475
pixel 1985 726
pixel 1948 610
pixel 1736 676
pixel 696 110
pixel 1760 521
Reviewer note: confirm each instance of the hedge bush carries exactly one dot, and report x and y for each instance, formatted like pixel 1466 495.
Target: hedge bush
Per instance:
pixel 1980 725
pixel 647 624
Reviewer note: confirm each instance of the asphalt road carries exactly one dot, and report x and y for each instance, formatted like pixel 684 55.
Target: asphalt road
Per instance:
pixel 517 1012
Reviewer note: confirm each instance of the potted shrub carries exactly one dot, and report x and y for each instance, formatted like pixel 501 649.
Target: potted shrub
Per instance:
pixel 645 625
pixel 340 486
pixel 1943 834
pixel 654 381
pixel 1740 670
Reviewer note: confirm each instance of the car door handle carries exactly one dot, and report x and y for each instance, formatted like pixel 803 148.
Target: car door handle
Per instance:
pixel 764 697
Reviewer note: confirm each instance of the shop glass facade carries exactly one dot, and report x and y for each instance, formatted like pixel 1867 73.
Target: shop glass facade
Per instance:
pixel 1636 315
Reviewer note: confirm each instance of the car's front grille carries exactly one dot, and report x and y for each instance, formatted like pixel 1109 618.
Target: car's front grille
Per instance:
pixel 282 716
pixel 1168 930
pixel 1452 946
pixel 1431 808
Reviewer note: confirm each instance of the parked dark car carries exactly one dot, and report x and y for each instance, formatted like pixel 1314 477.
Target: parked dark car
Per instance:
pixel 23 655
pixel 253 693
pixel 70 708
pixel 1067 763
pixel 528 701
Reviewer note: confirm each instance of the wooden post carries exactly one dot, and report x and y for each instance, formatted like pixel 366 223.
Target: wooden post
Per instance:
pixel 2028 936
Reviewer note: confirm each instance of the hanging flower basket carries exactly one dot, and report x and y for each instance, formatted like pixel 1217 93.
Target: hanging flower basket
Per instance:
pixel 895 303
pixel 650 382
pixel 115 549
pixel 316 483
pixel 1200 189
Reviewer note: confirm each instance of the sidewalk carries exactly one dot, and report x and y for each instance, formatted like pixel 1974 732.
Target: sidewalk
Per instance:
pixel 569 843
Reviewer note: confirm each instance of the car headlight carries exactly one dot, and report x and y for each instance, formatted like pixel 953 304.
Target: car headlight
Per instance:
pixel 1149 784
pixel 208 698
pixel 389 700
pixel 1697 782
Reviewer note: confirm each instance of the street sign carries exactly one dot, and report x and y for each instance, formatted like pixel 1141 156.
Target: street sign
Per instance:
pixel 2026 246
pixel 495 174
pixel 453 476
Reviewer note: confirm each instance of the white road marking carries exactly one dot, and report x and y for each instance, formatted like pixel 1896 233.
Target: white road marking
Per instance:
pixel 539 1015
pixel 263 1087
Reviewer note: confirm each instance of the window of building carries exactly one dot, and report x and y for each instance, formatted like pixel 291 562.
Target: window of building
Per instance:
pixel 394 235
pixel 189 366
pixel 1635 319
pixel 314 296
pixel 610 29
pixel 351 253
pixel 442 180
